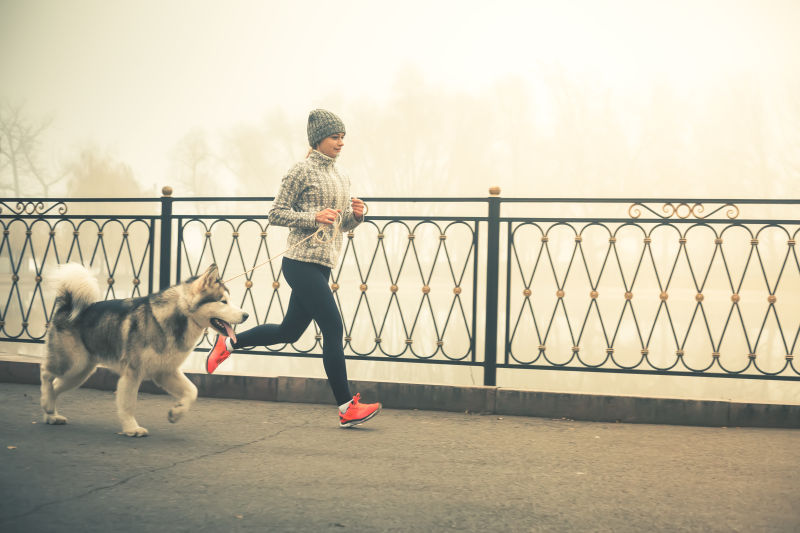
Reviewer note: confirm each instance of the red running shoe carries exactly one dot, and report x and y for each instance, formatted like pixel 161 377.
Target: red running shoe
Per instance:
pixel 217 354
pixel 358 413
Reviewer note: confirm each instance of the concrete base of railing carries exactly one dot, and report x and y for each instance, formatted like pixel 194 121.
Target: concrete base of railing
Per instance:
pixel 481 400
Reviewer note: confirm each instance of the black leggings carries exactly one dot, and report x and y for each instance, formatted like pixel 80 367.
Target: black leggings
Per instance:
pixel 311 299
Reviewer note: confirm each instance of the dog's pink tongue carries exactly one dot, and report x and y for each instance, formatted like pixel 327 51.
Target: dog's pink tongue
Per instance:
pixel 229 331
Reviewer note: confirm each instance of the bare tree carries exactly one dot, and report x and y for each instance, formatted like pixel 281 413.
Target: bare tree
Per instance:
pixel 195 164
pixel 405 147
pixel 790 136
pixel 258 155
pixel 97 174
pixel 20 153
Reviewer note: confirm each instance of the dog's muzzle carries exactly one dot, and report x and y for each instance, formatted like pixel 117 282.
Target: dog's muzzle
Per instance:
pixel 223 328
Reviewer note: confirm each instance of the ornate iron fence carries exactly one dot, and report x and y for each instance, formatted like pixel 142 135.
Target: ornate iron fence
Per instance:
pixel 670 287
pixel 676 287
pixel 38 234
pixel 403 291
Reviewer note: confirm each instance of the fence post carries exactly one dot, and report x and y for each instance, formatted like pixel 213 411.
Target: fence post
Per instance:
pixel 166 238
pixel 492 286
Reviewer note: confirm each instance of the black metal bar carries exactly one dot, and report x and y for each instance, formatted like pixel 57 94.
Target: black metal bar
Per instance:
pixel 492 280
pixel 507 338
pixel 166 239
pixel 90 200
pixel 475 246
pixel 151 245
pixel 764 201
pixel 315 355
pixel 661 221
pixel 565 220
pixel 401 199
pixel 451 199
pixel 178 256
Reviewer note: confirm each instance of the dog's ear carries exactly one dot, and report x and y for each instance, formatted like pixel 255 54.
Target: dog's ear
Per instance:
pixel 211 275
pixel 212 271
pixel 207 278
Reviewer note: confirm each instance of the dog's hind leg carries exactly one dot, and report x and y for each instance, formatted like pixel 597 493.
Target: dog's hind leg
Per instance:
pixel 127 389
pixel 48 399
pixel 53 386
pixel 180 388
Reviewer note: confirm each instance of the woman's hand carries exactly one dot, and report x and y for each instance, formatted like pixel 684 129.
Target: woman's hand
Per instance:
pixel 358 207
pixel 328 216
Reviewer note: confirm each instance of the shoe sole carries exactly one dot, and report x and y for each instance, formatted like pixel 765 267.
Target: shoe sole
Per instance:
pixel 361 421
pixel 208 358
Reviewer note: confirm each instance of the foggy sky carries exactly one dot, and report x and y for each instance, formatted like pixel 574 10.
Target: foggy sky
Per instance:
pixel 134 77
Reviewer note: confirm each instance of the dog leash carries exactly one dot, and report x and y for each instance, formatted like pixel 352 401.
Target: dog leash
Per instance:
pixel 318 235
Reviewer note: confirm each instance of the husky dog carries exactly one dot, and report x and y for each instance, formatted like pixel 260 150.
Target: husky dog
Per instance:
pixel 138 338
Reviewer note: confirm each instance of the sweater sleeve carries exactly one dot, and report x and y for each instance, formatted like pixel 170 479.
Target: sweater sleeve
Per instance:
pixel 282 212
pixel 349 220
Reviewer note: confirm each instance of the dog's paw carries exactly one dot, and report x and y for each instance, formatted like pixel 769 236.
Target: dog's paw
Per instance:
pixel 56 420
pixel 135 432
pixel 176 413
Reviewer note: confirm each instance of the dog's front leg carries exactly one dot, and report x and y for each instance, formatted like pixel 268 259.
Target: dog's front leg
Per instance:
pixel 127 389
pixel 180 388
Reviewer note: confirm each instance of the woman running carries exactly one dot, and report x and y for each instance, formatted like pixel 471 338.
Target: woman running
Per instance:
pixel 314 193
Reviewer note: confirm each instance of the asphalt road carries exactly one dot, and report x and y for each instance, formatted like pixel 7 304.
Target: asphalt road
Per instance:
pixel 233 465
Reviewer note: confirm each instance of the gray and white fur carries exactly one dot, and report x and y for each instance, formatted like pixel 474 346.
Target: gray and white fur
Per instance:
pixel 139 338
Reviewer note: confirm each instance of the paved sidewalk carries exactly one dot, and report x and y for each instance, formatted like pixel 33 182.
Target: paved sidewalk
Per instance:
pixel 234 465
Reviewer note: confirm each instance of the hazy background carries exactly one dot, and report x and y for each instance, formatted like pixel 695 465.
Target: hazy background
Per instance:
pixel 556 98
pixel 441 98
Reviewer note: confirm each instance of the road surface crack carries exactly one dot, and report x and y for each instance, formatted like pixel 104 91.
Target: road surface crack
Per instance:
pixel 147 472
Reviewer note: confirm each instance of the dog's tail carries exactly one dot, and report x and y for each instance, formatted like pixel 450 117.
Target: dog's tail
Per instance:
pixel 76 289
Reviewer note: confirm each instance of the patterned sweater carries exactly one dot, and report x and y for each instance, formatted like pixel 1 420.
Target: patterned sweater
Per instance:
pixel 311 186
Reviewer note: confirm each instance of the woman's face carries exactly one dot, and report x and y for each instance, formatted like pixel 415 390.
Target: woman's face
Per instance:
pixel 331 146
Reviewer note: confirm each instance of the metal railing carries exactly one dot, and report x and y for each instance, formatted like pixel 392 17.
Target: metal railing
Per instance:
pixel 677 287
pixel 636 286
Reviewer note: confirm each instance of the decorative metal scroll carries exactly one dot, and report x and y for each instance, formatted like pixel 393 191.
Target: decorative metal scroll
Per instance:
pixel 683 210
pixel 33 208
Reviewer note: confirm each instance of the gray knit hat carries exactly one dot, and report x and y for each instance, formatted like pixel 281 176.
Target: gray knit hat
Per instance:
pixel 322 124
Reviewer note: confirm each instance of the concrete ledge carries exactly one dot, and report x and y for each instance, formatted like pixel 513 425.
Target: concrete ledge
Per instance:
pixel 19 372
pixel 236 387
pixel 429 397
pixel 216 386
pixel 304 390
pixel 764 415
pixel 614 408
pixel 487 400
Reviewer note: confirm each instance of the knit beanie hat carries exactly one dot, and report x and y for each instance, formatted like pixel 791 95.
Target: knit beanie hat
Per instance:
pixel 322 124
